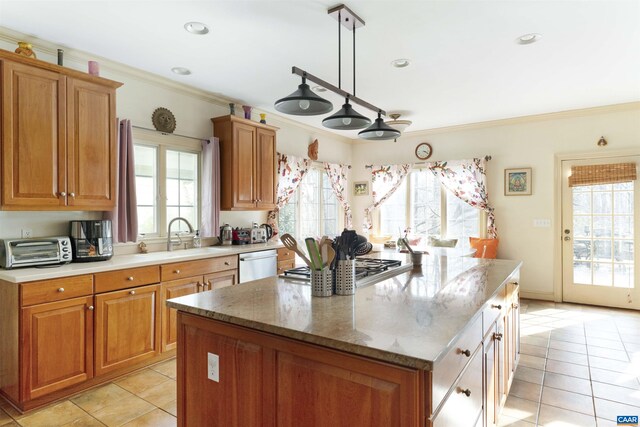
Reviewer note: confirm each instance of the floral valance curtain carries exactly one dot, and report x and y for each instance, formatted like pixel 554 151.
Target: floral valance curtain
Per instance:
pixel 385 180
pixel 291 170
pixel 337 175
pixel 467 179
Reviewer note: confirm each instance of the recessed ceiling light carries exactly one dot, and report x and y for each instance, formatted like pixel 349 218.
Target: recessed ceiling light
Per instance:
pixel 318 89
pixel 196 28
pixel 181 71
pixel 528 38
pixel 400 63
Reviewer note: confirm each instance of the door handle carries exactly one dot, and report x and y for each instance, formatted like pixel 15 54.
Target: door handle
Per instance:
pixel 567 238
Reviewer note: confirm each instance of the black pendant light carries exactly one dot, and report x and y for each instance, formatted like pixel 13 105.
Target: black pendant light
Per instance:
pixel 346 119
pixel 303 102
pixel 379 131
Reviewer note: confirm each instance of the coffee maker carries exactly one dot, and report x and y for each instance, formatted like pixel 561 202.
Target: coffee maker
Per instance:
pixel 91 240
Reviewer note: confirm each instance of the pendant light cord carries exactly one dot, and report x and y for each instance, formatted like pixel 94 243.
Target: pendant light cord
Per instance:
pixel 339 51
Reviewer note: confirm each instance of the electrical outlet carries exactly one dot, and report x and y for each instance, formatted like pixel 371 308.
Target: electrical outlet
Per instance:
pixel 213 367
pixel 26 233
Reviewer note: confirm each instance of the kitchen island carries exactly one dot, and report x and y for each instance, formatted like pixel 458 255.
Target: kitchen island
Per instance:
pixel 434 346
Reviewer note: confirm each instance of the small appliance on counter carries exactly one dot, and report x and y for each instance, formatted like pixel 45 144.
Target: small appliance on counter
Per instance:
pixel 241 236
pixel 226 235
pixel 261 234
pixel 34 252
pixel 91 240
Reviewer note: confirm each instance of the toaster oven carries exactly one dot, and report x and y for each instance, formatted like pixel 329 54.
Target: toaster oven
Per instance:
pixel 33 252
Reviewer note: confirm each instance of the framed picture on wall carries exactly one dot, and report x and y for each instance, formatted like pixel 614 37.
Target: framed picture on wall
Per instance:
pixel 361 188
pixel 517 182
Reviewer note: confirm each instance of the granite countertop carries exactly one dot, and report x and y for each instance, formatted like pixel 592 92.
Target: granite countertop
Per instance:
pixel 409 319
pixel 120 262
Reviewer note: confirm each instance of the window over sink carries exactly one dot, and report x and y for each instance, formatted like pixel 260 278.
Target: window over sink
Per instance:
pixel 167 186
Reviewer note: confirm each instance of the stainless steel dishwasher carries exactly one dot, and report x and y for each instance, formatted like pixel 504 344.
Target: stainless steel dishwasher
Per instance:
pixel 257 265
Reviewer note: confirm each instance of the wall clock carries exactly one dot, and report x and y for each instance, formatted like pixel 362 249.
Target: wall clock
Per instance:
pixel 424 151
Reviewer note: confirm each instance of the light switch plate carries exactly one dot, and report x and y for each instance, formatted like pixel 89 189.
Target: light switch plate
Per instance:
pixel 213 367
pixel 542 223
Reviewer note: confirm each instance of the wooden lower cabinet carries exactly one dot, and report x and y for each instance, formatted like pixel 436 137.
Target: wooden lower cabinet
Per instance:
pixel 272 381
pixel 175 289
pixel 58 345
pixel 221 279
pixel 127 327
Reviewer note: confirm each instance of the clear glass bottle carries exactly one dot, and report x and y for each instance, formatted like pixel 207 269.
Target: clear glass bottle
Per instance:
pixel 196 240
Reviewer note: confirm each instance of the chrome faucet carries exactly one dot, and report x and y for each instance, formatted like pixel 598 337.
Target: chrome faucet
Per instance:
pixel 171 243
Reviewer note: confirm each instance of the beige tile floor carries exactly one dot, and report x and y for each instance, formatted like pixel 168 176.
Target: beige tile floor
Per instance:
pixel 579 367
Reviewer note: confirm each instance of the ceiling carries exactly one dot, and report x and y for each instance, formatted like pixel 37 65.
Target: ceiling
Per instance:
pixel 465 67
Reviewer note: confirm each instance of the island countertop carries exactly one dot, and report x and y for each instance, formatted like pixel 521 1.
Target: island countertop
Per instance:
pixel 408 320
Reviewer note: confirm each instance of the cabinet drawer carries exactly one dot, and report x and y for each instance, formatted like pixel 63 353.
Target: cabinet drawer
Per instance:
pixel 129 278
pixel 285 253
pixel 285 265
pixel 56 289
pixel 178 270
pixel 461 409
pixel 447 369
pixel 494 308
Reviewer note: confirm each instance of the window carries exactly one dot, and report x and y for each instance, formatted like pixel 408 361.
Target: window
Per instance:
pixel 429 209
pixel 166 187
pixel 313 209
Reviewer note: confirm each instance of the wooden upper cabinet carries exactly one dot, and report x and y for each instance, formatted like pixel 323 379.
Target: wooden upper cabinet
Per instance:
pixel 58 137
pixel 248 163
pixel 91 143
pixel 33 136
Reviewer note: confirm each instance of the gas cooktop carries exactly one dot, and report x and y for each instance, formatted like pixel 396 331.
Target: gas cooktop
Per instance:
pixel 368 270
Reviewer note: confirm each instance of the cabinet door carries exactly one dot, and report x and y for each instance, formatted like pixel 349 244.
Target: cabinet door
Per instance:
pixel 33 137
pixel 57 347
pixel 127 327
pixel 266 169
pixel 244 192
pixel 221 279
pixel 91 146
pixel 175 289
pixel 492 398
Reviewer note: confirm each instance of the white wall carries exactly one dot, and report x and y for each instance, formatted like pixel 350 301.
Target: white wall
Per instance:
pixel 140 95
pixel 515 143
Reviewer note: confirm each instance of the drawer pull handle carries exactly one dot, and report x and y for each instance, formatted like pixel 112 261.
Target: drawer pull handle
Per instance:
pixel 60 289
pixel 498 306
pixel 177 271
pixel 198 285
pixel 130 278
pixel 497 336
pixel 90 307
pixel 466 391
pixel 227 263
pixel 515 305
pixel 465 352
pixel 132 292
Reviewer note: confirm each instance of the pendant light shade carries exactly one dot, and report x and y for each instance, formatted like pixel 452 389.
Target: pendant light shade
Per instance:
pixel 303 102
pixel 346 119
pixel 379 131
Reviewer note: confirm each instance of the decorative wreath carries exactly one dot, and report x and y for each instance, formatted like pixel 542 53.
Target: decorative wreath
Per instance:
pixel 163 120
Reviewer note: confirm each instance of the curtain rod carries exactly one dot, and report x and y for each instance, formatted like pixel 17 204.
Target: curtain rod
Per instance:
pixel 318 162
pixel 487 158
pixel 165 133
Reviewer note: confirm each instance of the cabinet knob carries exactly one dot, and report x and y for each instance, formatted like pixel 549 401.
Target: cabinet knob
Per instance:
pixel 466 391
pixel 198 286
pixel 177 271
pixel 498 306
pixel 130 278
pixel 209 283
pixel 132 292
pixel 515 305
pixel 63 194
pixel 90 307
pixel 72 194
pixel 227 263
pixel 465 352
pixel 497 336
pixel 60 289
pixel 515 283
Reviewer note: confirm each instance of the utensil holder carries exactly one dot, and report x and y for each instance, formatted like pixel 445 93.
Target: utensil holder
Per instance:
pixel 346 277
pixel 321 283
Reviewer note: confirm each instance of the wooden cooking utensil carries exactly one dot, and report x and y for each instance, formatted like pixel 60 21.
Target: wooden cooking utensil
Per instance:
pixel 290 243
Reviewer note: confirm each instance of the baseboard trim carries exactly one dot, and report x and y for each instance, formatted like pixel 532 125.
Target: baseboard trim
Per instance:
pixel 544 296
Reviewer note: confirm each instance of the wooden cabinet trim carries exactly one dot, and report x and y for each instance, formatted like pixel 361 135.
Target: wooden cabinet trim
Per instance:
pixel 55 289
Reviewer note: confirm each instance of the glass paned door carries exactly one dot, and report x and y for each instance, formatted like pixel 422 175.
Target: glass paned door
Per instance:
pixel 600 236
